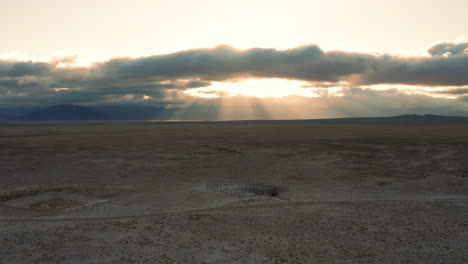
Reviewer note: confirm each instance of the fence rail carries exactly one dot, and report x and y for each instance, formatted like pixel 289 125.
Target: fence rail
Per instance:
pixel 244 189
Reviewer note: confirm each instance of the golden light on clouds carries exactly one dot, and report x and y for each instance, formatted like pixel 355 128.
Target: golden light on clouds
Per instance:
pixel 281 88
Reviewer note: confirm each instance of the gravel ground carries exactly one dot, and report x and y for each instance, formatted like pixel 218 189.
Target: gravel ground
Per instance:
pixel 136 193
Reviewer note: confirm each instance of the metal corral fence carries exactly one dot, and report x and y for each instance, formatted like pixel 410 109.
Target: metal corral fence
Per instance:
pixel 246 188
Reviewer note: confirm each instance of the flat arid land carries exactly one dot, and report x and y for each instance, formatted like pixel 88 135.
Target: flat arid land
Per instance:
pixel 138 193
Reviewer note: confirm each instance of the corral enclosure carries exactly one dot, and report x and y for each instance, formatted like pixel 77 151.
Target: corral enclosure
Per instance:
pixel 232 192
pixel 246 188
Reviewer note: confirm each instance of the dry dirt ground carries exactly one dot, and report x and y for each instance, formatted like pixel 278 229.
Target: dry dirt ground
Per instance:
pixel 137 193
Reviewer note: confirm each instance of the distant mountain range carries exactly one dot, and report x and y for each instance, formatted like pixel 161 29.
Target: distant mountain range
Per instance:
pixel 75 112
pixel 393 120
pixel 64 112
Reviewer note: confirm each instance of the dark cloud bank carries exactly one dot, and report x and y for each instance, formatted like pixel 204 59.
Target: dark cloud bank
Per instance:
pixel 29 83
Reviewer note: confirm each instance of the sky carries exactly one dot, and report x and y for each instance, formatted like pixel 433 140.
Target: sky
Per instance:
pixel 237 59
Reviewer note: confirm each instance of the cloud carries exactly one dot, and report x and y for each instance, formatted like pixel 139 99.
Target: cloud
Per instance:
pixel 308 63
pixel 223 62
pixel 455 91
pixel 10 68
pixel 449 48
pixel 446 64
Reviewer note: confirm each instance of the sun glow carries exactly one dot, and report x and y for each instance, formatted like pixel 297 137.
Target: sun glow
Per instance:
pixel 260 88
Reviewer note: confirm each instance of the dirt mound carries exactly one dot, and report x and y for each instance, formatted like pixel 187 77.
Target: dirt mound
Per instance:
pixel 47 199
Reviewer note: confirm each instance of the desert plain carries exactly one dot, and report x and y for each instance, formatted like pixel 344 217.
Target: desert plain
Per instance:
pixel 136 192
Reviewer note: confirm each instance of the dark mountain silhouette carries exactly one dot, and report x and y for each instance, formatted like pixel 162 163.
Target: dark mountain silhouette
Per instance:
pixel 75 112
pixel 4 117
pixel 393 120
pixel 134 112
pixel 65 112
